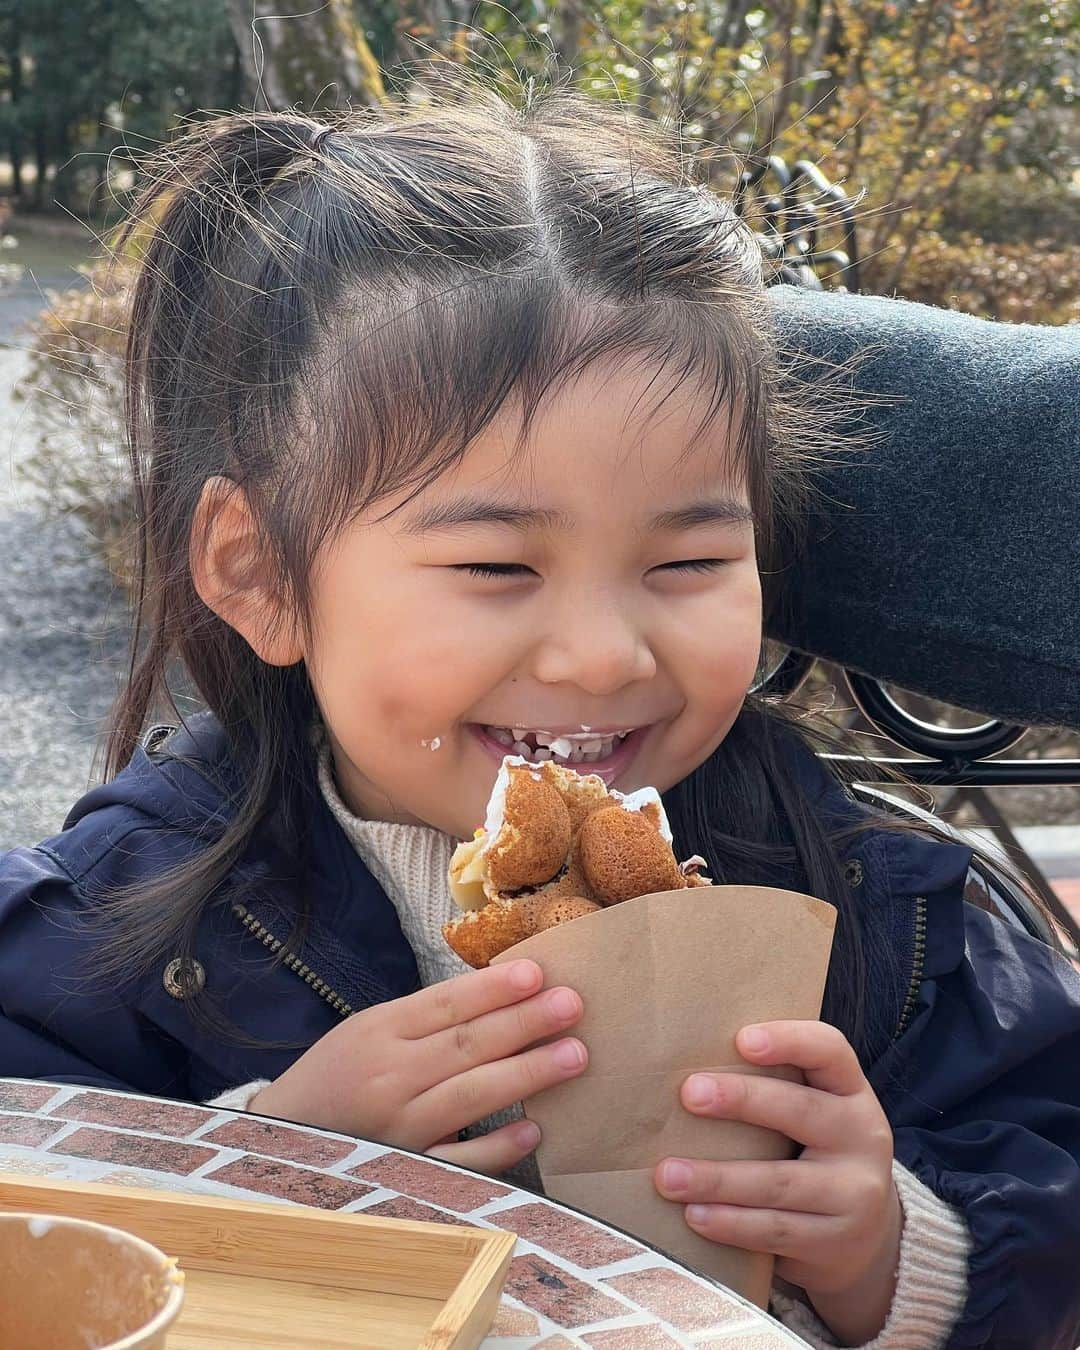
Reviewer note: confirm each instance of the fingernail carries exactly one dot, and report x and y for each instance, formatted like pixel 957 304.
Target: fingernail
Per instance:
pixel 523 974
pixel 697 1214
pixel 528 1134
pixel 564 1004
pixel 699 1091
pixel 569 1055
pixel 675 1175
pixel 754 1039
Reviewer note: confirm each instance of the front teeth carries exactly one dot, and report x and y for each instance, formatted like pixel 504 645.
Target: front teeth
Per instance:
pixel 562 749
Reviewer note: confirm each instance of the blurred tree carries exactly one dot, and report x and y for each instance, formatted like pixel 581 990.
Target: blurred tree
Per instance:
pixel 11 71
pixel 294 52
pixel 126 68
pixel 903 99
pixel 911 102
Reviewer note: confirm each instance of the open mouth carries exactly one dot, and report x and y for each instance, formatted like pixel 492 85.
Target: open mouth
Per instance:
pixel 584 748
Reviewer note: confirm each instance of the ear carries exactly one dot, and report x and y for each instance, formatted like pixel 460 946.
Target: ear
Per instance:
pixel 229 571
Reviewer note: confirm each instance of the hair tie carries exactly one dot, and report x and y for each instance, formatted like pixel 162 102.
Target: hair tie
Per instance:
pixel 319 140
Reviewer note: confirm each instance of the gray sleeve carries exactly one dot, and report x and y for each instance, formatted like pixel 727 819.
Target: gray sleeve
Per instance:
pixel 946 555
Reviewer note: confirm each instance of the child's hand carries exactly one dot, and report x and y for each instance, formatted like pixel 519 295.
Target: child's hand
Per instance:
pixel 832 1215
pixel 415 1071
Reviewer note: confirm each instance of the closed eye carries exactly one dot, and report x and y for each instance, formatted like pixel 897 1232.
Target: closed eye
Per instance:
pixel 494 571
pixel 693 565
pixel 491 570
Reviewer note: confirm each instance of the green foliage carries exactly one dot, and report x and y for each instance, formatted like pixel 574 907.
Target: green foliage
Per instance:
pixel 77 85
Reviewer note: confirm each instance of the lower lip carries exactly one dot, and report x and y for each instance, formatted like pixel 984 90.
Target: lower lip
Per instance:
pixel 608 769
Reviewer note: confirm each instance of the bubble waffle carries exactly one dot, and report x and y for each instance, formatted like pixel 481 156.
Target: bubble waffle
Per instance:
pixel 556 845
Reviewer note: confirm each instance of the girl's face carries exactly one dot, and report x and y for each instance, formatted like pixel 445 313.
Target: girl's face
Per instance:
pixel 597 589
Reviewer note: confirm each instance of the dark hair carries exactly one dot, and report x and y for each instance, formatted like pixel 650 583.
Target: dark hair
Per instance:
pixel 326 315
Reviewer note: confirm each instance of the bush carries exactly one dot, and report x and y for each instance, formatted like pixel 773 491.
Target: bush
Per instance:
pixel 1020 283
pixel 74 388
pixel 1014 208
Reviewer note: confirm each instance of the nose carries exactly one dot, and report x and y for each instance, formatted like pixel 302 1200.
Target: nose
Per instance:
pixel 596 645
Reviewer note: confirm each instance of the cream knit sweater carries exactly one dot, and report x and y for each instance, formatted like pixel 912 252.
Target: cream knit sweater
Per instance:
pixel 410 863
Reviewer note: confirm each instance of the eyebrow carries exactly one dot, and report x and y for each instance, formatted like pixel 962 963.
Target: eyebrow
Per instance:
pixel 460 512
pixel 715 511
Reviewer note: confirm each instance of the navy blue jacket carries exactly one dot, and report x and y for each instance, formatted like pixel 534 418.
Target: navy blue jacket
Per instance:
pixel 978 1072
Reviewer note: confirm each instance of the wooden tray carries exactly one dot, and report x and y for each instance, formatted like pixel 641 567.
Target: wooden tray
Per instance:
pixel 283 1276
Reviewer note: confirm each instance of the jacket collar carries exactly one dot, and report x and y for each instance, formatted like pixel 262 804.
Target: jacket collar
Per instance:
pixel 297 858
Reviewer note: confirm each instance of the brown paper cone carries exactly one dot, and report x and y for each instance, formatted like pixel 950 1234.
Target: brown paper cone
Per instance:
pixel 667 980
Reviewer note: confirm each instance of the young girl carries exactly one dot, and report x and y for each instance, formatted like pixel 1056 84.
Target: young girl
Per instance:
pixel 465 426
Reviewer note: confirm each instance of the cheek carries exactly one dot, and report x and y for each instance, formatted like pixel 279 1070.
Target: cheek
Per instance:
pixel 717 672
pixel 400 658
pixel 724 664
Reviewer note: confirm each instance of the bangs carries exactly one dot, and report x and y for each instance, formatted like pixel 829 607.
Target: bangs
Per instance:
pixel 391 404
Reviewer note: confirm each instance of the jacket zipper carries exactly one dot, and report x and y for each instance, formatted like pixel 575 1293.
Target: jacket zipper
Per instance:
pixel 268 940
pixel 916 968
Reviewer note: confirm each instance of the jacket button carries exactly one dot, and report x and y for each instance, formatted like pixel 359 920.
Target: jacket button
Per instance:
pixel 183 979
pixel 853 873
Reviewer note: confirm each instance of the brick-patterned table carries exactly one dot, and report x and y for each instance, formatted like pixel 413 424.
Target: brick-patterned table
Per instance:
pixel 573 1281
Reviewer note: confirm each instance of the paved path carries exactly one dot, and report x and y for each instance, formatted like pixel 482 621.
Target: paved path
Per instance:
pixel 23 300
pixel 59 657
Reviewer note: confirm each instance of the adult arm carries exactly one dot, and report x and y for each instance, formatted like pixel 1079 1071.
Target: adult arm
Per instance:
pixel 945 553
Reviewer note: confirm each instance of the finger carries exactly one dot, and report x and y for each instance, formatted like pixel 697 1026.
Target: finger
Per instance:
pixel 803 1186
pixel 796 1236
pixel 807 1115
pixel 492 1153
pixel 498 1034
pixel 470 1096
pixel 451 1002
pixel 821 1051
